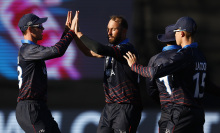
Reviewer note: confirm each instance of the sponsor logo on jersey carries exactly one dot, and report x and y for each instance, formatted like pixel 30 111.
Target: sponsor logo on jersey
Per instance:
pixel 167 131
pixel 42 131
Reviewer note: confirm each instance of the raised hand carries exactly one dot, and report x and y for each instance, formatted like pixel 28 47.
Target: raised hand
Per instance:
pixel 75 26
pixel 69 20
pixel 131 58
pixel 74 21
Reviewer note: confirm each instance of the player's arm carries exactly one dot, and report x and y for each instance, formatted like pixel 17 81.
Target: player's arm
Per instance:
pixel 79 43
pixel 37 52
pixel 68 23
pixel 97 47
pixel 140 69
pixel 152 88
pixel 87 45
pixel 85 50
pixel 174 64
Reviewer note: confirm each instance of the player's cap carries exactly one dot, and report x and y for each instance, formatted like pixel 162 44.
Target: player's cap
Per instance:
pixel 169 35
pixel 185 24
pixel 29 20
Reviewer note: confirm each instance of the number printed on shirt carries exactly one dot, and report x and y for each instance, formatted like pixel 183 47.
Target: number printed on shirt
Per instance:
pixel 200 84
pixel 19 75
pixel 166 83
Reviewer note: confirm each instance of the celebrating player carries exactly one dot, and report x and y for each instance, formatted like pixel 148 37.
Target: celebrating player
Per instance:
pixel 168 51
pixel 182 103
pixel 32 112
pixel 122 112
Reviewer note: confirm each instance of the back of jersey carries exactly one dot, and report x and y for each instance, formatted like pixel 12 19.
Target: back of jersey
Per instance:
pixel 163 85
pixel 185 83
pixel 189 82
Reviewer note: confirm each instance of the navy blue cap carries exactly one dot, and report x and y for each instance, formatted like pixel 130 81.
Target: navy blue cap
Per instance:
pixel 29 20
pixel 169 35
pixel 186 24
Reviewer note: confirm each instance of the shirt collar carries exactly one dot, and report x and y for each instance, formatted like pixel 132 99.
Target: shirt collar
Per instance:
pixel 192 45
pixel 28 41
pixel 124 41
pixel 171 47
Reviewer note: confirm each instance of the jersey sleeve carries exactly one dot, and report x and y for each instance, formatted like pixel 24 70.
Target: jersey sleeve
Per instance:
pixel 152 86
pixel 113 51
pixel 66 29
pixel 173 64
pixel 37 52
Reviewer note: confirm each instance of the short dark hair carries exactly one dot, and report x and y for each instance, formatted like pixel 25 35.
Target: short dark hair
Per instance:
pixel 122 21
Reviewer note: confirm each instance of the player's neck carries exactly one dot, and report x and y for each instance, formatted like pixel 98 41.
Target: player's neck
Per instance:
pixel 30 38
pixel 186 41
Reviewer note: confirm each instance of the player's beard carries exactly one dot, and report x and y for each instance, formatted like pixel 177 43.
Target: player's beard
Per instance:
pixel 38 35
pixel 114 40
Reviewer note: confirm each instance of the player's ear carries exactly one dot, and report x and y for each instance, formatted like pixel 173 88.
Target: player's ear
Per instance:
pixel 29 29
pixel 183 33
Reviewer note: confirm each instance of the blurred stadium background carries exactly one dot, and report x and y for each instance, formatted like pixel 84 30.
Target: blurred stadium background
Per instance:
pixel 76 96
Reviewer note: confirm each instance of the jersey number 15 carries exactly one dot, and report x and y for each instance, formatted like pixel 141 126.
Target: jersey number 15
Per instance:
pixel 200 85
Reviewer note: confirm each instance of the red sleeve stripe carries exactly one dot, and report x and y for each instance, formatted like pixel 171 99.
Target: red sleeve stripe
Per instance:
pixel 146 74
pixel 70 35
pixel 139 69
pixel 61 42
pixel 165 100
pixel 150 72
pixel 142 71
pixel 64 39
pixel 135 67
pixel 58 45
pixel 132 66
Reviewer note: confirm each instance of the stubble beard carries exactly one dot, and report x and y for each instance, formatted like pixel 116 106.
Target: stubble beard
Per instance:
pixel 114 40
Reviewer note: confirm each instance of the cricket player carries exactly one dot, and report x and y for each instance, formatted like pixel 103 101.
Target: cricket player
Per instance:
pixel 32 113
pixel 182 106
pixel 122 112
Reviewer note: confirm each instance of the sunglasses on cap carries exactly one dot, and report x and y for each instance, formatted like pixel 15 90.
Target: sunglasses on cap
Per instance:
pixel 39 26
pixel 179 30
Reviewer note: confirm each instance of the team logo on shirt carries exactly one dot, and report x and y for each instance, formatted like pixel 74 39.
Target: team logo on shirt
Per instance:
pixel 109 72
pixel 112 72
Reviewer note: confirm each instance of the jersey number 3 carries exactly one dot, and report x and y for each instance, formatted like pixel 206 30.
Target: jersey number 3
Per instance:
pixel 19 75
